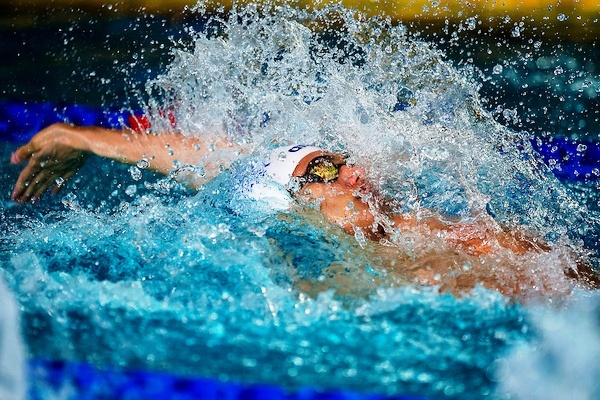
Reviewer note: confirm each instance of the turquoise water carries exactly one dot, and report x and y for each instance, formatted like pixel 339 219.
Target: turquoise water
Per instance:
pixel 96 286
pixel 128 270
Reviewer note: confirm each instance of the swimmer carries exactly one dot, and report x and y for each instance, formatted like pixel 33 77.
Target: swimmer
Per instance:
pixel 57 152
pixel 341 192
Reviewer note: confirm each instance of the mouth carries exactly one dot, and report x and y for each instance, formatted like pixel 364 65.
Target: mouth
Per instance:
pixel 362 185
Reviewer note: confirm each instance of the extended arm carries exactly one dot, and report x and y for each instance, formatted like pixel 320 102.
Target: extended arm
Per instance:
pixel 479 237
pixel 58 151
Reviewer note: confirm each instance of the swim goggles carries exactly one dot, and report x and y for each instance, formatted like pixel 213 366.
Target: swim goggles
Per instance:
pixel 320 170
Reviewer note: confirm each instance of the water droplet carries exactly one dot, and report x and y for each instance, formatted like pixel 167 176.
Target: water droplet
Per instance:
pixel 131 190
pixel 136 173
pixel 200 171
pixel 143 163
pixel 471 23
pixel 360 237
pixel 562 17
pixel 249 362
pixel 70 201
pixel 497 69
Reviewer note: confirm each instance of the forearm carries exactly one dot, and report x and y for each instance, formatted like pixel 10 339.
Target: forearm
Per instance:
pixel 55 153
pixel 163 152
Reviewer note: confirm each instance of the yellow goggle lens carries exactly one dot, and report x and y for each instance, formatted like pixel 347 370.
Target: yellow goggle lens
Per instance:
pixel 325 170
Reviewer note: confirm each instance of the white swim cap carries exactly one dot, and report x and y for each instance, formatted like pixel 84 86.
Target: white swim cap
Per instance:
pixel 282 164
pixel 288 161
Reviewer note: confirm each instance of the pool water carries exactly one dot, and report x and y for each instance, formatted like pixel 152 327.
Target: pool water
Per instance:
pixel 128 270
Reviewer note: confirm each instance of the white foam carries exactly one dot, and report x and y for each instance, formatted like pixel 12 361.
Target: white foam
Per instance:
pixel 563 361
pixel 12 352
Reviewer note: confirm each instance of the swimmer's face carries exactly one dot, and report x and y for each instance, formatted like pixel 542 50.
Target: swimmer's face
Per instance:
pixel 339 199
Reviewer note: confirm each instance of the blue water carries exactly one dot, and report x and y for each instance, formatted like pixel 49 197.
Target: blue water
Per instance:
pixel 128 270
pixel 96 287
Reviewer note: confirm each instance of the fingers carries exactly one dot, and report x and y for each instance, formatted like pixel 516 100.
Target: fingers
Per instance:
pixel 42 183
pixel 21 154
pixel 50 155
pixel 14 158
pixel 23 181
pixel 29 187
pixel 34 181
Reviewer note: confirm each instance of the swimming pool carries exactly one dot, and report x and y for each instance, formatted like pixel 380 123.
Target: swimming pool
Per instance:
pixel 130 271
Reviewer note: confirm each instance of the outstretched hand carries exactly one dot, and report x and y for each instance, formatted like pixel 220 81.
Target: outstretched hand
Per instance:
pixel 54 154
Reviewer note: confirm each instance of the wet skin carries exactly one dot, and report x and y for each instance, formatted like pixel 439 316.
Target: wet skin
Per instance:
pixel 341 203
pixel 339 200
pixel 57 152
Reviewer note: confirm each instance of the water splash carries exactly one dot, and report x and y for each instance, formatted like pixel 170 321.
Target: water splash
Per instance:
pixel 271 75
pixel 159 279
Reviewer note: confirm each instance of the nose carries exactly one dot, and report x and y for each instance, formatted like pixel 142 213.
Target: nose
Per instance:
pixel 352 177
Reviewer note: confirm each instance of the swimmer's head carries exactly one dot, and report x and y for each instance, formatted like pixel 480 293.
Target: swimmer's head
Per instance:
pixel 310 162
pixel 317 176
pixel 291 162
pixel 314 176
